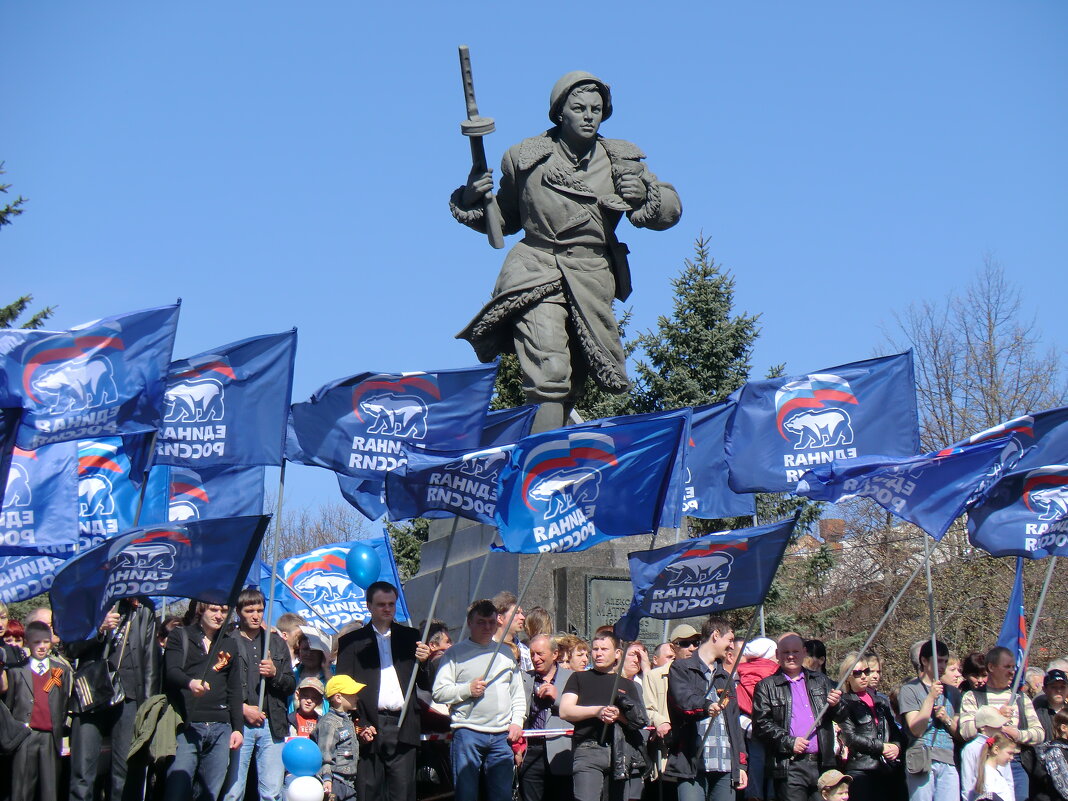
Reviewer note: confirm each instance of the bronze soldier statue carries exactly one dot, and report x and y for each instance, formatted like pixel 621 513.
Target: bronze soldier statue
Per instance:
pixel 566 190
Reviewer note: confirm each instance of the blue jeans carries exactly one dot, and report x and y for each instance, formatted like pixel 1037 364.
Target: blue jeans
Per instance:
pixel 758 786
pixel 707 787
pixel 1021 782
pixel 475 751
pixel 200 761
pixel 269 770
pixel 940 783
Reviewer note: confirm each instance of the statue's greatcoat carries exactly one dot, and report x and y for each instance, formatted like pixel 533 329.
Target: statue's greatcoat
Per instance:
pixel 569 254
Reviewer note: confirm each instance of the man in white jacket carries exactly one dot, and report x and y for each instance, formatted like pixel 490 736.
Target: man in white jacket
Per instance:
pixel 479 681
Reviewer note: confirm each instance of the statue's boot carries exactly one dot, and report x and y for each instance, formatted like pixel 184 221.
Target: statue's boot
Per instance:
pixel 550 415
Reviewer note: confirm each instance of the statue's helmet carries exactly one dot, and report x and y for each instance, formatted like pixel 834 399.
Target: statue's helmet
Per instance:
pixel 563 88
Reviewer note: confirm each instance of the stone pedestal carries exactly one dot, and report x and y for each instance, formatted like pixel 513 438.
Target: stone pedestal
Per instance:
pixel 581 591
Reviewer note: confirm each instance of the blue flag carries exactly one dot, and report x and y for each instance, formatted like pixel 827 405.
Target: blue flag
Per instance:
pixel 365 494
pixel 23 577
pixel 212 492
pixel 357 425
pixel 9 428
pixel 446 484
pixel 570 489
pixel 706 493
pixel 930 491
pixel 1024 514
pixel 706 575
pixel 108 494
pixel 1013 634
pixel 671 514
pixel 202 559
pixel 1038 439
pixel 783 426
pixel 502 427
pixel 229 406
pixel 318 580
pixel 104 378
pixel 40 511
pixel 507 426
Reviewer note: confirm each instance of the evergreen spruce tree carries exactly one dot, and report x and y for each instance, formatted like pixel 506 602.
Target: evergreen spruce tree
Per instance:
pixel 10 313
pixel 701 353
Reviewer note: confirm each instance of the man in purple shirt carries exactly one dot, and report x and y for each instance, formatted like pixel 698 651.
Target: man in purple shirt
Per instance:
pixel 785 705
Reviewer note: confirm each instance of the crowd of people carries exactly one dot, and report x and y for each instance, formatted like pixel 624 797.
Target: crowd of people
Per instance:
pixel 194 707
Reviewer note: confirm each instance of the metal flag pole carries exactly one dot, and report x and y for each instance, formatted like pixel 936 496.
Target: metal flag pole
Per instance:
pixel 1017 679
pixel 930 608
pixel 302 599
pixel 429 619
pixel 511 617
pixel 678 536
pixel 760 611
pixel 615 686
pixel 878 627
pixel 734 668
pixel 144 478
pixel 478 586
pixel 275 538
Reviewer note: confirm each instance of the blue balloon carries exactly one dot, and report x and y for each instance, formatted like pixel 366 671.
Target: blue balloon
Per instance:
pixel 363 565
pixel 301 757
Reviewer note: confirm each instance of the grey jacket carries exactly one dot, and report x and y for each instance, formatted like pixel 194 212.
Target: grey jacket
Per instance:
pixel 557 749
pixel 336 736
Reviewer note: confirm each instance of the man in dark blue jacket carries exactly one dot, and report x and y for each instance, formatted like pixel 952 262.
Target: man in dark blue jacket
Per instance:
pixel 706 755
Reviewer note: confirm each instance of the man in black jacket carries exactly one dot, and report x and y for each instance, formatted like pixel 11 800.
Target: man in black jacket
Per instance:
pixel 785 705
pixel 199 679
pixel 383 656
pixel 706 766
pixel 266 727
pixel 127 639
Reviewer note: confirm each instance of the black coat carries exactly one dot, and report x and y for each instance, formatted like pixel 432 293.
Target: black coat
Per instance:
pixel 140 666
pixel 772 709
pixel 358 657
pixel 279 687
pixel 865 736
pixel 687 705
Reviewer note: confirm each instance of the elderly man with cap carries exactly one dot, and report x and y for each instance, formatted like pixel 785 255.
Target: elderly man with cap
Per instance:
pixel 1054 690
pixel 552 305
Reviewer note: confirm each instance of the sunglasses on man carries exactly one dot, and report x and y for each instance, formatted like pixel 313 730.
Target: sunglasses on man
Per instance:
pixel 692 642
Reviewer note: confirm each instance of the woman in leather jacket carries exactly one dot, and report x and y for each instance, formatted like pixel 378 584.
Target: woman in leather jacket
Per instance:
pixel 873 742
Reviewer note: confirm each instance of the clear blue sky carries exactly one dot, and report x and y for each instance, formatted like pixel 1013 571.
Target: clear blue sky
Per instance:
pixel 278 164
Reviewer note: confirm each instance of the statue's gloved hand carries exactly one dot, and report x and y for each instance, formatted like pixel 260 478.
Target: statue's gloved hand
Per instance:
pixel 632 189
pixel 479 188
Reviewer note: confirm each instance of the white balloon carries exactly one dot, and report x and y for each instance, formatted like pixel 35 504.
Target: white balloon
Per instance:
pixel 305 788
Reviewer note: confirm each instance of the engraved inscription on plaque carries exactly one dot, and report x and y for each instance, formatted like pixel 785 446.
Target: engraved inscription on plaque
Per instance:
pixel 607 600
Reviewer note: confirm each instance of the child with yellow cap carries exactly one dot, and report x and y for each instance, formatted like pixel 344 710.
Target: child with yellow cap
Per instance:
pixel 336 735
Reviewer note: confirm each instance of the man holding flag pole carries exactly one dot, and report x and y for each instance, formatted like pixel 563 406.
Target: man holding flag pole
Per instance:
pixel 707 749
pixel 608 714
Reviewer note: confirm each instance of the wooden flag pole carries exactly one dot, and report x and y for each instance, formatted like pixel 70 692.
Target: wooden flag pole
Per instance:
pixel 429 618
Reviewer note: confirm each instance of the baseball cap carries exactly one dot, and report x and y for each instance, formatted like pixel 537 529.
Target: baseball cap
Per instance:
pixel 314 683
pixel 346 685
pixel 1055 675
pixel 683 631
pixel 317 641
pixel 832 778
pixel 989 717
